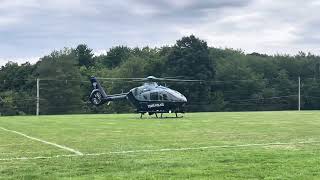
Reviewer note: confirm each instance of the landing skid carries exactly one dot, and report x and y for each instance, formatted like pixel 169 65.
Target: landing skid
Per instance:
pixel 161 115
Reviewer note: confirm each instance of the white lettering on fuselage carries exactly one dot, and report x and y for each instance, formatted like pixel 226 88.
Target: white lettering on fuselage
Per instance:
pixel 155 105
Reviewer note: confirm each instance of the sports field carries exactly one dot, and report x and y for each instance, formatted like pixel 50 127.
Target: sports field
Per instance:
pixel 242 145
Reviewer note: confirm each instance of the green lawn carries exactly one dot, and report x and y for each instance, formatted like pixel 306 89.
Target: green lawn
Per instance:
pixel 232 145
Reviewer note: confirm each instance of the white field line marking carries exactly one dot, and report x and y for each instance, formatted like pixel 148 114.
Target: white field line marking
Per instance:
pixel 43 141
pixel 161 150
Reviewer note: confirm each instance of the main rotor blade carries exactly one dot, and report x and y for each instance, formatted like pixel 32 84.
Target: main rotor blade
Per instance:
pixel 152 79
pixel 120 78
pixel 174 77
pixel 180 80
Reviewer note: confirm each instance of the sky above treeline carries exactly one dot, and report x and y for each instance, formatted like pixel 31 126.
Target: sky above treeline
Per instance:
pixel 30 29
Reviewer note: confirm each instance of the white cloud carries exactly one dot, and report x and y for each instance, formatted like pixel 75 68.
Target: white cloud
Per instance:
pixel 7 21
pixel 19 60
pixel 100 52
pixel 13 4
pixel 31 28
pixel 263 26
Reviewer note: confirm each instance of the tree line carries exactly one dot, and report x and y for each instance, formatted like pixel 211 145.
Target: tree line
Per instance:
pixel 231 79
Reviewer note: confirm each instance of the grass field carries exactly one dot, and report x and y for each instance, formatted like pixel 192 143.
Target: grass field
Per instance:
pixel 242 145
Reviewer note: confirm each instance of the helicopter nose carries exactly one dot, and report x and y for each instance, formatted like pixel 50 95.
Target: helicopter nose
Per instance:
pixel 184 99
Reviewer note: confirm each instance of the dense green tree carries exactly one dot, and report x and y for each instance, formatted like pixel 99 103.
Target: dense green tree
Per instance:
pixel 190 58
pixel 60 86
pixel 7 104
pixel 84 55
pixel 17 88
pixel 15 77
pixel 232 79
pixel 238 82
pixel 115 56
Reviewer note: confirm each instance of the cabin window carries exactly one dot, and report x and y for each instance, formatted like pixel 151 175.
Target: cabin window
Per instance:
pixel 154 96
pixel 165 97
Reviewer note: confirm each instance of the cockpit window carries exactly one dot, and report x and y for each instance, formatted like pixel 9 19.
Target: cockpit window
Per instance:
pixel 174 93
pixel 145 97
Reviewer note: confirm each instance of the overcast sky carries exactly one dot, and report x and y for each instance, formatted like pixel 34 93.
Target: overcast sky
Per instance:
pixel 30 29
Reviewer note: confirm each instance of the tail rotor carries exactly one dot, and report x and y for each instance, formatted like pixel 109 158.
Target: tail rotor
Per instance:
pixel 98 96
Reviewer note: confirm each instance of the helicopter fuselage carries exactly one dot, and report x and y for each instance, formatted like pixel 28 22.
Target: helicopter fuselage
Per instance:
pixel 149 98
pixel 153 98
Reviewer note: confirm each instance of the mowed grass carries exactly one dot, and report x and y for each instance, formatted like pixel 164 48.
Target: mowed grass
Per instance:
pixel 240 146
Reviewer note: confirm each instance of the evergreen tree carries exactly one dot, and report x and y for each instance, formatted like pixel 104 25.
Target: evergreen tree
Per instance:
pixel 84 55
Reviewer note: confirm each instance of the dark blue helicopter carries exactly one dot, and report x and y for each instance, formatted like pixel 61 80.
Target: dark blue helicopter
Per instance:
pixel 149 98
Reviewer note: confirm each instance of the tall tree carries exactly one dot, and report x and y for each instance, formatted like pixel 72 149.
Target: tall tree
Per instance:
pixel 60 86
pixel 84 55
pixel 115 56
pixel 190 58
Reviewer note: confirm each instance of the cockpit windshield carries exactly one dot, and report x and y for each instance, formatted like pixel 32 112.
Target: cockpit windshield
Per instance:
pixel 174 93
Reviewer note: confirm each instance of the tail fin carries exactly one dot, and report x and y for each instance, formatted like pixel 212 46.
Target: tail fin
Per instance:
pixel 98 96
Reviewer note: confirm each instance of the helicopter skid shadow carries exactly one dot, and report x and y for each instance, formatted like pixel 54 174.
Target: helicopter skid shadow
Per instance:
pixel 170 117
pixel 160 117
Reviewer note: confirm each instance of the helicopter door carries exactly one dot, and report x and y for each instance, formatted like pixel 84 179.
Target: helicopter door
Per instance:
pixel 154 96
pixel 165 97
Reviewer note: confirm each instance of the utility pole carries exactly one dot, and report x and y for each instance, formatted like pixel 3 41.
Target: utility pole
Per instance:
pixel 299 97
pixel 37 112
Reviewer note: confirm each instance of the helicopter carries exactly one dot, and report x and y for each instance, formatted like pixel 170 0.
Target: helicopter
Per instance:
pixel 149 98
